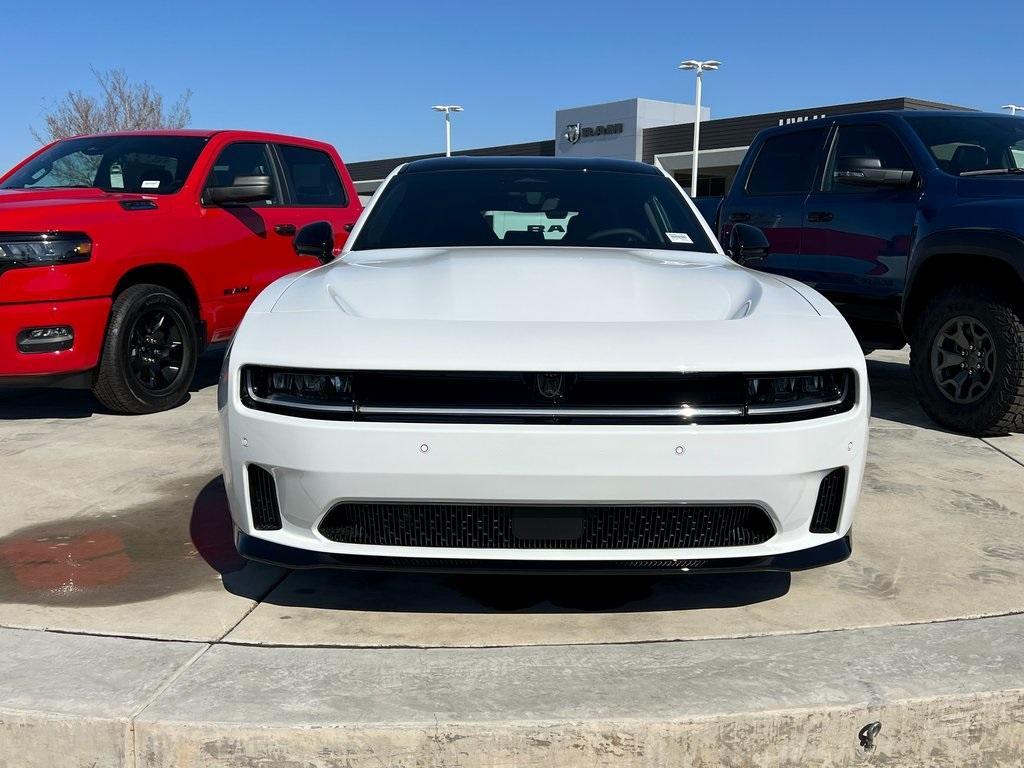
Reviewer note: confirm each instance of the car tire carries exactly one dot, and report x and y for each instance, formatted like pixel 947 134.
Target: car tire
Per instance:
pixel 149 353
pixel 986 324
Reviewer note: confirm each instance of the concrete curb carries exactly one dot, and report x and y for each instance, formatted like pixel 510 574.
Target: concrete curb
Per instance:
pixel 947 694
pixel 976 730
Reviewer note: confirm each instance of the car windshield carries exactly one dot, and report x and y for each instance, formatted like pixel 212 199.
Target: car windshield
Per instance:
pixel 532 207
pixel 972 144
pixel 155 165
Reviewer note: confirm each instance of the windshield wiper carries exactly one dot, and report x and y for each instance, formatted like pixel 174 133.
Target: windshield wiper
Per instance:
pixel 993 172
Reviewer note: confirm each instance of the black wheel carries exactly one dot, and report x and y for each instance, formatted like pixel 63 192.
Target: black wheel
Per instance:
pixel 149 354
pixel 967 361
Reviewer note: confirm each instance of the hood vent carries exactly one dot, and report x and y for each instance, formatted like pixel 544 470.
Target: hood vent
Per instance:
pixel 139 205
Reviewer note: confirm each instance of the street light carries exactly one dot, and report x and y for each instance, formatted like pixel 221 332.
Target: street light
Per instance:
pixel 447 109
pixel 700 66
pixel 1013 108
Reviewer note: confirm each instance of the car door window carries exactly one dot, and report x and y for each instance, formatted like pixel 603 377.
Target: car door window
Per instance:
pixel 864 144
pixel 312 178
pixel 244 159
pixel 786 163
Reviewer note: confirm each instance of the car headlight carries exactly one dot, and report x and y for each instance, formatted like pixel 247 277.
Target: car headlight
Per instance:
pixel 800 392
pixel 43 249
pixel 273 388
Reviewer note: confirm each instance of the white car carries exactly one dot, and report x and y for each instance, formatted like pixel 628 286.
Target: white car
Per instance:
pixel 541 365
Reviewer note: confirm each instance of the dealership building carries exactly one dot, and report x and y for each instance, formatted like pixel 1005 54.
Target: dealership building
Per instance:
pixel 652 131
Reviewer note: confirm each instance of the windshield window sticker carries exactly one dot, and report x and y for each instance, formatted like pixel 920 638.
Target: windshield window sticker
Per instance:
pixel 151 184
pixel 679 237
pixel 116 176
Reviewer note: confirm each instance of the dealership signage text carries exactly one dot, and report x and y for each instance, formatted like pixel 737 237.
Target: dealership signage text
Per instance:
pixel 574 131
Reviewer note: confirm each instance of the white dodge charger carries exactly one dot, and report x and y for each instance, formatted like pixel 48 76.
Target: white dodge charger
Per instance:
pixel 541 365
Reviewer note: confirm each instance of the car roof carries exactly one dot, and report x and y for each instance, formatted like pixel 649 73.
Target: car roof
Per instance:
pixel 462 163
pixel 206 133
pixel 159 132
pixel 885 115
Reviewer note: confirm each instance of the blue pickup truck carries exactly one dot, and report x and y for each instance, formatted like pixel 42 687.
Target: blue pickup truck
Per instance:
pixel 912 223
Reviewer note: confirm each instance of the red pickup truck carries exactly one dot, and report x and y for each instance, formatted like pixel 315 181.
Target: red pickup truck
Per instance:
pixel 122 255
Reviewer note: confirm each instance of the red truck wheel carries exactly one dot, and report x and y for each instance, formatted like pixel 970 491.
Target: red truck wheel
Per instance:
pixel 149 354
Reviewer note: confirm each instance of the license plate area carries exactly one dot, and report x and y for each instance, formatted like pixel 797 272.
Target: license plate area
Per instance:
pixel 556 525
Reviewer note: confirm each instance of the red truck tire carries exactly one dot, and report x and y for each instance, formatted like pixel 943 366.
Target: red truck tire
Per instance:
pixel 149 353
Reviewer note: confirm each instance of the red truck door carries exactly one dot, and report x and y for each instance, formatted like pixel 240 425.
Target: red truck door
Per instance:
pixel 240 252
pixel 314 191
pixel 245 247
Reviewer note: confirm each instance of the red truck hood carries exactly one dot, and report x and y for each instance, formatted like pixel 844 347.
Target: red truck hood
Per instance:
pixel 47 209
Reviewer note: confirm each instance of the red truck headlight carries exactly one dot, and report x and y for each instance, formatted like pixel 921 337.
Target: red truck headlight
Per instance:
pixel 20 249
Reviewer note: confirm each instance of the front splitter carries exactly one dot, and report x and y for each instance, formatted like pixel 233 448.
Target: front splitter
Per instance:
pixel 263 551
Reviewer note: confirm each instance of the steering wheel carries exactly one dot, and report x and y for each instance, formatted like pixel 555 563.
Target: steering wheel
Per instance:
pixel 601 234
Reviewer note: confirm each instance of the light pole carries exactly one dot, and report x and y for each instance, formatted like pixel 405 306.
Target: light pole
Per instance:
pixel 447 109
pixel 700 66
pixel 1013 108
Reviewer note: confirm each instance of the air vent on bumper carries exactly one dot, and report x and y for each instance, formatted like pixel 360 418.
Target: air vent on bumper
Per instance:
pixel 266 514
pixel 830 502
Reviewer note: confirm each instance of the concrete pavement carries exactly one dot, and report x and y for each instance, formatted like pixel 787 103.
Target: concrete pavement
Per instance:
pixel 945 694
pixel 115 525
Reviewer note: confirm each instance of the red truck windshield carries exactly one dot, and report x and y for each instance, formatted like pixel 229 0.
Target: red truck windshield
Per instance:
pixel 151 165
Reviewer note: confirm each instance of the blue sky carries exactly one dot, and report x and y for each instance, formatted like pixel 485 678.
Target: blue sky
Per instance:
pixel 363 75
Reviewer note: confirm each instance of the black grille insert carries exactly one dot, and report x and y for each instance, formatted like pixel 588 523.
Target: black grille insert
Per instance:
pixel 266 514
pixel 476 526
pixel 510 397
pixel 829 505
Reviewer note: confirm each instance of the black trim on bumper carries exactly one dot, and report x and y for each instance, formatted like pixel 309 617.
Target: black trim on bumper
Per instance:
pixel 78 380
pixel 261 550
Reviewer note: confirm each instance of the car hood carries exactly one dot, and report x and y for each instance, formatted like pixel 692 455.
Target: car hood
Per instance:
pixel 540 284
pixel 1009 186
pixel 46 209
pixel 543 309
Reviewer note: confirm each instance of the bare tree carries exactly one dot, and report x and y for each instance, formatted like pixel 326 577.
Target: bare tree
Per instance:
pixel 121 105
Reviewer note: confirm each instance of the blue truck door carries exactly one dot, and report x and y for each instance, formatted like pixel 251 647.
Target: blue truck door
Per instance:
pixel 858 226
pixel 773 193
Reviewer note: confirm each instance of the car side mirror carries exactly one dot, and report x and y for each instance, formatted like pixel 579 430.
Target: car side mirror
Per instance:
pixel 868 172
pixel 245 189
pixel 747 243
pixel 316 240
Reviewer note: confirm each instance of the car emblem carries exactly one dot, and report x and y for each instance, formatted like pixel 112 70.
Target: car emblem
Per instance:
pixel 551 385
pixel 572 132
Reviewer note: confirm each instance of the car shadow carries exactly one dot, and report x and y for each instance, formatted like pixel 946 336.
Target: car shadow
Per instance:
pixel 474 594
pixel 171 544
pixel 53 403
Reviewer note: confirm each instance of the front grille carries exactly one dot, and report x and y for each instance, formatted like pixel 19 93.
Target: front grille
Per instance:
pixel 830 502
pixel 531 397
pixel 266 514
pixel 486 526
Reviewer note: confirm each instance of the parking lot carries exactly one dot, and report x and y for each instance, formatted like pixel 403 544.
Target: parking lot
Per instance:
pixel 118 526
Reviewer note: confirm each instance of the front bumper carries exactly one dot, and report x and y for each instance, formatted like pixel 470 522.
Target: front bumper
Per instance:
pixel 317 464
pixel 88 319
